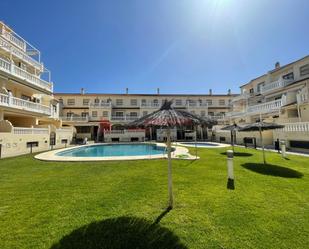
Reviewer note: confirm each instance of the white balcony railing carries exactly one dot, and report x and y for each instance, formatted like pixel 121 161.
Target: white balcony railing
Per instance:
pixel 75 119
pixel 265 107
pixel 150 105
pixel 24 75
pixel 275 85
pixel 5 45
pixel 242 96
pixel 29 131
pixel 101 105
pixel 295 127
pixel 14 39
pixel 22 104
pixel 124 118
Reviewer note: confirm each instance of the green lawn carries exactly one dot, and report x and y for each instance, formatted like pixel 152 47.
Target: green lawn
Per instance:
pixel 122 204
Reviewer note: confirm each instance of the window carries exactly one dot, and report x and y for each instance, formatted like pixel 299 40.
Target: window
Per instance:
pixel 70 114
pixel 144 102
pixel 119 114
pixel 289 76
pixel 119 101
pixel 83 129
pixel 133 114
pixel 211 113
pixel 96 101
pixel 134 102
pixel 85 114
pixel 155 102
pixel 94 114
pixel 32 144
pixel 209 101
pixel 258 88
pixel 60 101
pixel 251 90
pixel 145 113
pixel 203 113
pixel 85 101
pixel 221 102
pixel 71 101
pixel 304 70
pixel 178 102
pixel 105 114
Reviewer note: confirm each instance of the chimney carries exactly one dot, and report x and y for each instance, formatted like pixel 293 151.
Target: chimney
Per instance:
pixel 158 91
pixel 127 90
pixel 277 65
pixel 210 91
pixel 229 92
pixel 82 91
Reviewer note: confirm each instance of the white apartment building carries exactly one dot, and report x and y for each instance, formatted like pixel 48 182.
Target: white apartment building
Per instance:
pixel 84 111
pixel 29 114
pixel 281 96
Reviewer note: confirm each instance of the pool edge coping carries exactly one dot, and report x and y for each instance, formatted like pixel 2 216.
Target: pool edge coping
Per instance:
pixel 51 155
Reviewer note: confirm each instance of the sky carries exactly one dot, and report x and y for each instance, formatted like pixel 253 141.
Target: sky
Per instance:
pixel 179 46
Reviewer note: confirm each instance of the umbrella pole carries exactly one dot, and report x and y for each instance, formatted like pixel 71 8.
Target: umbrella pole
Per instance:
pixel 170 183
pixel 262 144
pixel 195 142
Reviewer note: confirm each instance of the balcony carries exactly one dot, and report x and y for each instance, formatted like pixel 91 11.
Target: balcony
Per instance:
pixel 234 114
pixel 11 37
pixel 270 106
pixel 275 85
pixel 75 119
pixel 242 96
pixel 196 105
pixel 5 45
pixel 124 118
pixel 11 69
pixel 150 105
pixel 296 127
pixel 101 105
pixel 29 131
pixel 22 104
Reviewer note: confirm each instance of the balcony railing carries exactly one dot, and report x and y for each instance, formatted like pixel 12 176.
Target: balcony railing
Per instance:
pixel 75 119
pixel 275 85
pixel 5 45
pixel 14 39
pixel 124 118
pixel 295 127
pixel 22 104
pixel 101 105
pixel 240 97
pixel 30 131
pixel 265 107
pixel 151 105
pixel 24 75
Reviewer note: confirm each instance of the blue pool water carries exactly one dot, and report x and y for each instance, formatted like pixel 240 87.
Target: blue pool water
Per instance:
pixel 102 150
pixel 204 144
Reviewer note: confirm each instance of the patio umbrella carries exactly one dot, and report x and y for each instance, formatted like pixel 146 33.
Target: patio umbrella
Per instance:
pixel 168 117
pixel 261 126
pixel 233 128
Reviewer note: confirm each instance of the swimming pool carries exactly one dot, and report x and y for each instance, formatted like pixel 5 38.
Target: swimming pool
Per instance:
pixel 114 151
pixel 108 150
pixel 203 144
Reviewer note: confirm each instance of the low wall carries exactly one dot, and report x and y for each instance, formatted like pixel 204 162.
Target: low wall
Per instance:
pixel 267 137
pixel 16 144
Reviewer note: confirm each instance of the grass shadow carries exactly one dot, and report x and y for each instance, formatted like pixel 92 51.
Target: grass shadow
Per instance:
pixel 121 232
pixel 244 154
pixel 274 170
